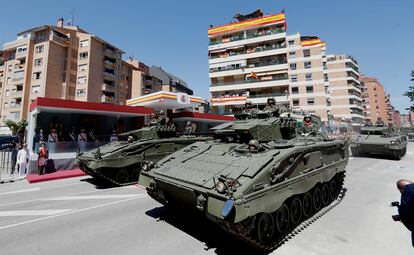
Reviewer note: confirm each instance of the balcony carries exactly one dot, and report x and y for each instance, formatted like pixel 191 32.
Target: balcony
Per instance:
pixel 59 38
pixel 111 53
pixel 16 94
pixel 108 87
pixel 107 99
pixel 250 50
pixel 248 81
pixel 254 34
pixel 109 75
pixel 109 64
pixel 253 65
pixel 15 106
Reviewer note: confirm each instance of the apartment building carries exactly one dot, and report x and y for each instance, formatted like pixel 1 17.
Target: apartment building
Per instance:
pixel 374 99
pixel 63 62
pixel 248 61
pixel 170 82
pixel 344 88
pixel 307 72
pixel 390 109
pixel 254 59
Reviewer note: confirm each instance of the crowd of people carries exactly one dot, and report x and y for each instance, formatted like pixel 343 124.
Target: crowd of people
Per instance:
pixel 72 136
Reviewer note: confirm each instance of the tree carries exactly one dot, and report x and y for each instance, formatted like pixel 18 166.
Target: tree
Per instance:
pixel 410 92
pixel 16 127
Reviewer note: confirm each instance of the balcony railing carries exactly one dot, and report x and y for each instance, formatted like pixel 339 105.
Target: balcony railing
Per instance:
pixel 107 87
pixel 107 99
pixel 229 68
pixel 248 36
pixel 110 64
pixel 15 106
pixel 267 95
pixel 111 75
pixel 275 78
pixel 16 94
pixel 247 51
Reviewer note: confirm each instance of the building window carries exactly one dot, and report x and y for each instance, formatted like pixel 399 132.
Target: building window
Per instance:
pixel 291 42
pixel 311 101
pixel 83 55
pixel 82 80
pixel 84 43
pixel 325 77
pixel 82 68
pixel 309 89
pixel 308 65
pixel 295 90
pixel 37 75
pixel 308 76
pixel 306 53
pixel 295 102
pixel 15 115
pixel 39 49
pixel 36 89
pixel 41 36
pixel 293 78
pixel 38 62
pixel 292 66
pixel 292 54
pixel 81 92
pixel 21 49
pixel 6 105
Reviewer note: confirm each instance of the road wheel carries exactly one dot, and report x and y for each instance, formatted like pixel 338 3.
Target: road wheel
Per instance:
pixel 307 204
pixel 333 190
pixel 316 198
pixel 325 194
pixel 282 218
pixel 122 176
pixel 295 211
pixel 134 175
pixel 265 228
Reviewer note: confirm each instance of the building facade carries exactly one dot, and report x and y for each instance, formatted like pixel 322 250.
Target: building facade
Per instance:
pixel 344 88
pixel 254 59
pixel 62 62
pixel 248 61
pixel 375 100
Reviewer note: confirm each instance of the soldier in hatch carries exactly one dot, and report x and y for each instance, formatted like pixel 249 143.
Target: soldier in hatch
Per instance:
pixel 308 126
pixel 271 106
pixel 249 109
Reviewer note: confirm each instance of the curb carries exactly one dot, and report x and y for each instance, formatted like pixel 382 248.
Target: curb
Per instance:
pixel 58 175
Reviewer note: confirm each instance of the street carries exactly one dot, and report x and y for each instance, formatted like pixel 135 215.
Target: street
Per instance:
pixel 74 216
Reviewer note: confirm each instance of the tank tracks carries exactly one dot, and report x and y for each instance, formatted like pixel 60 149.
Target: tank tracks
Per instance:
pixel 111 180
pixel 240 232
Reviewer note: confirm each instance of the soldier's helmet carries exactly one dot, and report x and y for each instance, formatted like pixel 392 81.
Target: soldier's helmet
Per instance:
pixel 254 145
pixel 248 104
pixel 271 101
pixel 161 112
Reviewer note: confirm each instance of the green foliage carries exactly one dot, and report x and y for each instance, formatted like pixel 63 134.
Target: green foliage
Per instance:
pixel 16 127
pixel 410 92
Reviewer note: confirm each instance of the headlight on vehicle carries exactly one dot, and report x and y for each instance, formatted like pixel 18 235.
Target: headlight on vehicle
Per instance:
pixel 220 187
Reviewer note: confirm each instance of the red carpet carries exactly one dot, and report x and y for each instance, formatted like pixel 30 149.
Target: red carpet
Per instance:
pixel 62 174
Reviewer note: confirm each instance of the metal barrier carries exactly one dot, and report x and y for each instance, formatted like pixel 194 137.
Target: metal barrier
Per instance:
pixel 6 166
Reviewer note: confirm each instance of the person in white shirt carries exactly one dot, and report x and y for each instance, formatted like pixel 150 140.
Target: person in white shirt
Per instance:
pixel 114 136
pixel 53 136
pixel 22 159
pixel 82 137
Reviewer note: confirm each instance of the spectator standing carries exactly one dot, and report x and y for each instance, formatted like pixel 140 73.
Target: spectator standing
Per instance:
pixel 82 137
pixel 14 151
pixel 40 137
pixel 114 136
pixel 42 153
pixel 53 136
pixel 72 136
pixel 22 159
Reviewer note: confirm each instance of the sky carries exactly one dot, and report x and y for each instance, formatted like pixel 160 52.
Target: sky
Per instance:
pixel 173 34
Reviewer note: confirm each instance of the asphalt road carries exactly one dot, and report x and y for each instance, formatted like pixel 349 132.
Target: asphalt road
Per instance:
pixel 75 216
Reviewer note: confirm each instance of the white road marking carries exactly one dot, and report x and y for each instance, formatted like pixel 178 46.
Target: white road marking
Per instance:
pixel 20 191
pixel 33 212
pixel 94 197
pixel 67 213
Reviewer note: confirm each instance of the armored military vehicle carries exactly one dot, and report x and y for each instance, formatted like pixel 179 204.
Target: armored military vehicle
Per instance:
pixel 379 140
pixel 259 179
pixel 119 162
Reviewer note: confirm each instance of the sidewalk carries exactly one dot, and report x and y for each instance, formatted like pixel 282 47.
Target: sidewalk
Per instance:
pixel 33 178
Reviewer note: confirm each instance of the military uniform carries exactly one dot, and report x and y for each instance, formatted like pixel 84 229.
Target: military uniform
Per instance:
pixel 406 209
